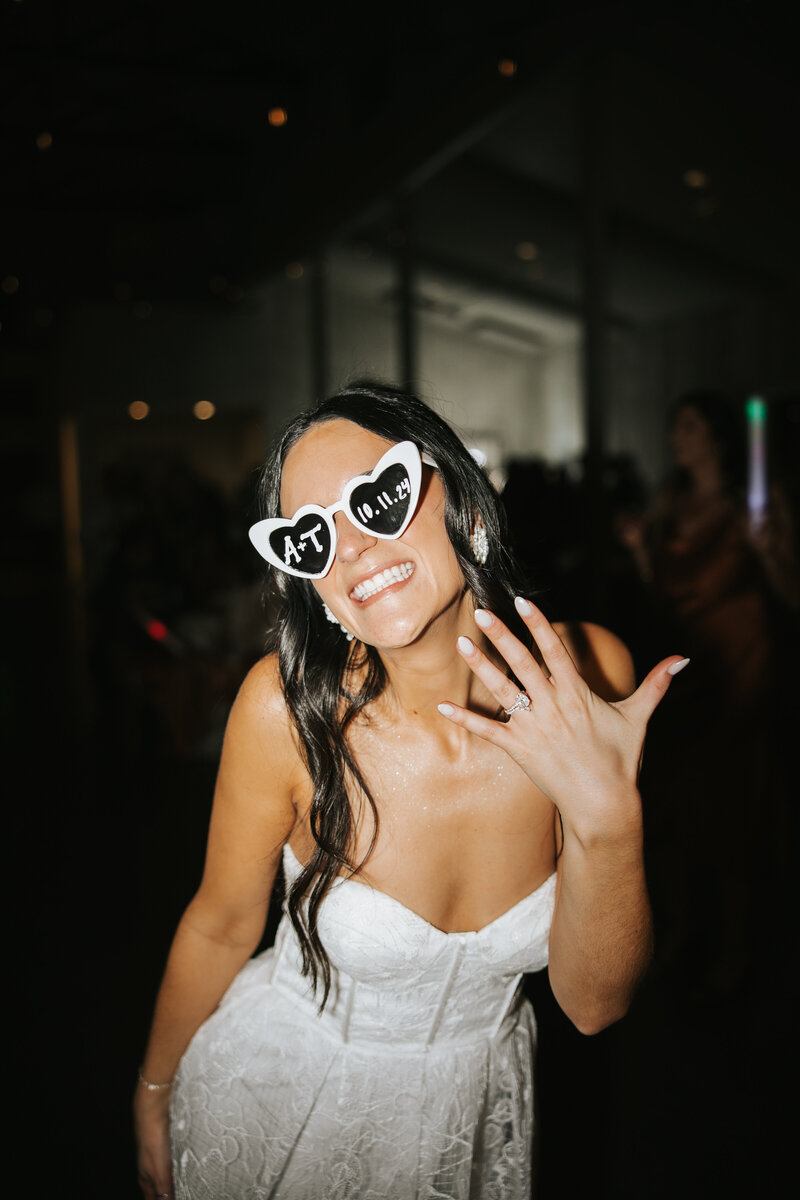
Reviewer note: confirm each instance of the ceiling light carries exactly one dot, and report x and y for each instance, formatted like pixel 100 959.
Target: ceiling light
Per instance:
pixel 527 251
pixel 204 410
pixel 277 117
pixel 138 410
pixel 695 179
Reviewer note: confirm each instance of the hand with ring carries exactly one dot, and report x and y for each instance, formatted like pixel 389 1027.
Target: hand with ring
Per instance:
pixel 582 751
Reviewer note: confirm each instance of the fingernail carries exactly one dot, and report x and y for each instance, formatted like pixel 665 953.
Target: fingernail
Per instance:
pixel 523 607
pixel 446 710
pixel 678 666
pixel 466 646
pixel 483 618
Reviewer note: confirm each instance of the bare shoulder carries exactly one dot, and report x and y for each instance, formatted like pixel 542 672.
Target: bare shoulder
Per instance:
pixel 261 693
pixel 602 658
pixel 260 736
pixel 253 813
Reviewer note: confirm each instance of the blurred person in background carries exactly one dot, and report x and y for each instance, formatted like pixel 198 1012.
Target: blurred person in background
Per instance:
pixel 716 574
pixel 727 585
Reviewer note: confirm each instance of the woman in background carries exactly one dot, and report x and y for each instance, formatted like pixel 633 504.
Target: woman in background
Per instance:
pixel 725 582
pixel 718 573
pixel 451 790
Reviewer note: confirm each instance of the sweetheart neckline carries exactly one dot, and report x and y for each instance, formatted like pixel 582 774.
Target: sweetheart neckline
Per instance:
pixel 341 879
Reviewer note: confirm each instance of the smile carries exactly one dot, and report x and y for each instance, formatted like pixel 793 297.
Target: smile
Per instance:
pixel 381 580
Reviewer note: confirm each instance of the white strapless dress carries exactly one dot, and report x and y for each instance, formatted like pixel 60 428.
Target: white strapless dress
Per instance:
pixel 415 1082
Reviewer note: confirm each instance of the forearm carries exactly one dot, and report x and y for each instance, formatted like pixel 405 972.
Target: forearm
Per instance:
pixel 601 936
pixel 201 965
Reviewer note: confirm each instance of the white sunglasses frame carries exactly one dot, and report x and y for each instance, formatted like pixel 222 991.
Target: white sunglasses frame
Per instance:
pixel 407 454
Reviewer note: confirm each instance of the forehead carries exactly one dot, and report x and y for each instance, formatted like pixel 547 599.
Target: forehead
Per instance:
pixel 324 459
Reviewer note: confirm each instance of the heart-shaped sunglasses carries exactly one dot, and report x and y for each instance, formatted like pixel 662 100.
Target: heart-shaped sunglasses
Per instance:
pixel 380 504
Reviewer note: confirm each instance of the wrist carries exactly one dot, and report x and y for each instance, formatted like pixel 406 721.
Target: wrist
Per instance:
pixel 615 825
pixel 150 1086
pixel 151 1109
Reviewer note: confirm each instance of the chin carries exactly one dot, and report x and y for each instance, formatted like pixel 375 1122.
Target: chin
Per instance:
pixel 388 632
pixel 390 639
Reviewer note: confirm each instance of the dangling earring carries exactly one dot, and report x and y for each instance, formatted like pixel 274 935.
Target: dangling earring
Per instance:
pixel 335 621
pixel 479 542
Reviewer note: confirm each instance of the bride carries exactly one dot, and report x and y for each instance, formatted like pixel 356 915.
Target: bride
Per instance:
pixel 450 787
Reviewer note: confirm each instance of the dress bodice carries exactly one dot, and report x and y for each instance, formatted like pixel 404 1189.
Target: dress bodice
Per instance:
pixel 415 1081
pixel 397 980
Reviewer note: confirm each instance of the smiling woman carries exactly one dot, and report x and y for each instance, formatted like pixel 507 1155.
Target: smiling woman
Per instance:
pixel 453 807
pixel 382 582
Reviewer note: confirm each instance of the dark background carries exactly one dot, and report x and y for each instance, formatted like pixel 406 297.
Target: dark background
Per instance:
pixel 160 174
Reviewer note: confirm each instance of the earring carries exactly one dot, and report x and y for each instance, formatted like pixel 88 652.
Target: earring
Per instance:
pixel 479 542
pixel 335 621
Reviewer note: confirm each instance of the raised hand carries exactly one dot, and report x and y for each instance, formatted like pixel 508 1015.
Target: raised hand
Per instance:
pixel 580 750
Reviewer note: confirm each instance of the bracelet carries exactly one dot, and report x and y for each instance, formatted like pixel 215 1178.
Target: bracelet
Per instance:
pixel 153 1087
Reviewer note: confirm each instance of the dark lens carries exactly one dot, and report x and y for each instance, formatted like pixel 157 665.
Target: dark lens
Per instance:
pixel 304 545
pixel 382 505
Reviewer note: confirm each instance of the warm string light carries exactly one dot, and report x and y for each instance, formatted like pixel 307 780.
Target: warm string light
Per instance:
pixel 699 182
pixel 203 410
pixel 527 251
pixel 696 179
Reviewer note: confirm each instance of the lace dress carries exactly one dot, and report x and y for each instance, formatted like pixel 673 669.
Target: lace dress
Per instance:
pixel 415 1082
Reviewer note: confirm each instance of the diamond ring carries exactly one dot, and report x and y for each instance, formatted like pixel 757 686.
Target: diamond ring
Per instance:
pixel 522 702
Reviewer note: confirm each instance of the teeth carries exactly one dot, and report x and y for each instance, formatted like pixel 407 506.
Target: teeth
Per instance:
pixel 381 580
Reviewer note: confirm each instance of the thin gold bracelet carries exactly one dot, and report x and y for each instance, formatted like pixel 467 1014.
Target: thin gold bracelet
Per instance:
pixel 153 1087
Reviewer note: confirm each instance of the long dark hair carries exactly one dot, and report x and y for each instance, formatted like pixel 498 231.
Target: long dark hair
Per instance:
pixel 725 419
pixel 327 680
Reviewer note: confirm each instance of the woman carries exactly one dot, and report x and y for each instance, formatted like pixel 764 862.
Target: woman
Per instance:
pixel 450 803
pixel 718 575
pixel 725 583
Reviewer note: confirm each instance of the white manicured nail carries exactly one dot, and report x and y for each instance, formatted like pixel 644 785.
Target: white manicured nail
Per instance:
pixel 483 618
pixel 678 666
pixel 523 607
pixel 446 710
pixel 466 646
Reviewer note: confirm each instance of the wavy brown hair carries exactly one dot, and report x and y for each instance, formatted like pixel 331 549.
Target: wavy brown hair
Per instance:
pixel 327 681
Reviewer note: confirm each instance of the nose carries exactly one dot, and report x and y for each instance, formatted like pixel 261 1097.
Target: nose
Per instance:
pixel 350 541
